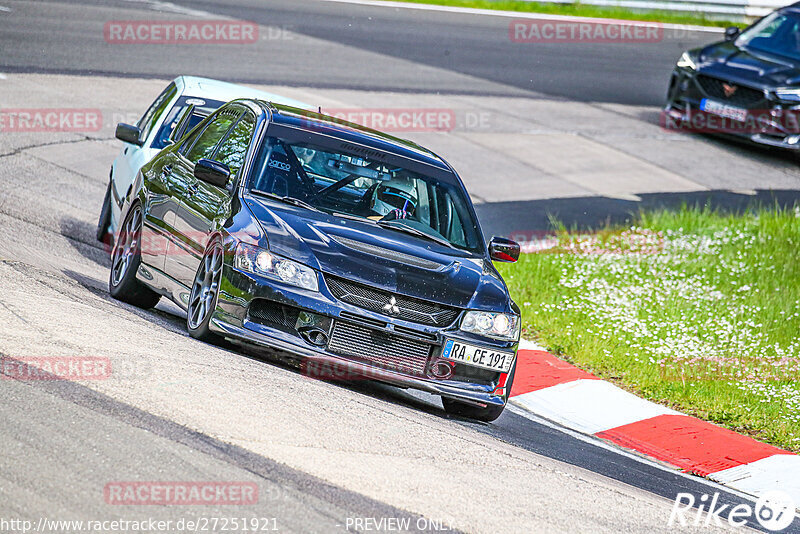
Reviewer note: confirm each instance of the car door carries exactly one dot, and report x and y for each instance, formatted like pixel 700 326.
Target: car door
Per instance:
pixel 165 187
pixel 203 203
pixel 160 210
pixel 133 157
pixel 189 235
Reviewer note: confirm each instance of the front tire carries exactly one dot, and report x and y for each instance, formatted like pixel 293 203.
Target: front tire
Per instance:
pixel 205 294
pixel 487 413
pixel 125 261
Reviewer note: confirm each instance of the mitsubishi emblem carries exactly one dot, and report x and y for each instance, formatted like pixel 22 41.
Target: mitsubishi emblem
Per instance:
pixel 728 89
pixel 391 307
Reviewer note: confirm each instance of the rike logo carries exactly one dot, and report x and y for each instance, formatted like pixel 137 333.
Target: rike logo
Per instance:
pixel 774 511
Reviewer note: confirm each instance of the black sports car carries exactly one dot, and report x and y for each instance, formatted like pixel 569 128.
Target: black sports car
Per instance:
pixel 359 252
pixel 747 85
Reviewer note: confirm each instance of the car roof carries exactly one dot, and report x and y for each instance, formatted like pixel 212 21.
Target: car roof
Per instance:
pixel 196 86
pixel 326 124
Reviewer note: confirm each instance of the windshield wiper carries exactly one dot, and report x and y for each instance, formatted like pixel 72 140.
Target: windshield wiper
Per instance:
pixel 394 225
pixel 287 200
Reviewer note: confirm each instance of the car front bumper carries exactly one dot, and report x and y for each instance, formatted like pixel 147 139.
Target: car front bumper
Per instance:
pixel 239 290
pixel 684 99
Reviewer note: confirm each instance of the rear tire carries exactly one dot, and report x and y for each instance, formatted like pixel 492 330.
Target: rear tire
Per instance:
pixel 487 413
pixel 125 261
pixel 205 294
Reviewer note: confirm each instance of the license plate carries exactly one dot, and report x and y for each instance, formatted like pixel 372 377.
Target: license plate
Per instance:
pixel 478 356
pixel 723 110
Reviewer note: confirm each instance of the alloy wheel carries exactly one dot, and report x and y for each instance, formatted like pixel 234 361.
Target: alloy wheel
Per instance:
pixel 205 287
pixel 127 246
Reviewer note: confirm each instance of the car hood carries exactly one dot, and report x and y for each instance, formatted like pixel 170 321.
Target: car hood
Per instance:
pixel 381 258
pixel 728 61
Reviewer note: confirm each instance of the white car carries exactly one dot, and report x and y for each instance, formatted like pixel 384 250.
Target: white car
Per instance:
pixel 182 105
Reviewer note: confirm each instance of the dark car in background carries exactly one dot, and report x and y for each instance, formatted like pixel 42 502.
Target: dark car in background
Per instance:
pixel 356 251
pixel 747 86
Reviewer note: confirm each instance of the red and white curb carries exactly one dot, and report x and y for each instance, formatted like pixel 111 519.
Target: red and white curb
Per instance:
pixel 575 399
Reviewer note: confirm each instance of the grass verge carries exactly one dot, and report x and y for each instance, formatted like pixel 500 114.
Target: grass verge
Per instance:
pixel 583 10
pixel 691 308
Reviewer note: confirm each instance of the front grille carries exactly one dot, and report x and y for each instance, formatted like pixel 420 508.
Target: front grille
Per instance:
pixel 410 309
pixel 742 95
pixel 379 348
pixel 273 314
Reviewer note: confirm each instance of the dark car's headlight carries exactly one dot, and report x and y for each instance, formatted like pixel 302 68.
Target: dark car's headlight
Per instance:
pixel 490 324
pixel 259 261
pixel 788 94
pixel 687 61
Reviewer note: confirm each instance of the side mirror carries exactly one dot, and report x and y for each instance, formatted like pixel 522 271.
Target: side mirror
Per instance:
pixel 502 249
pixel 731 33
pixel 128 134
pixel 212 172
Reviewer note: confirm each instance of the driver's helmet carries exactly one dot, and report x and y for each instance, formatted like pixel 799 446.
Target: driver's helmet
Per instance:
pixel 398 194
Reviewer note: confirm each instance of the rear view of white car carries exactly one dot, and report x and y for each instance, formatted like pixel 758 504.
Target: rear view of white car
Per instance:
pixel 182 105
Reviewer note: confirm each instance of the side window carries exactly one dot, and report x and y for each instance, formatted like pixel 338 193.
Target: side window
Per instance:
pixel 189 140
pixel 155 110
pixel 212 134
pixel 234 148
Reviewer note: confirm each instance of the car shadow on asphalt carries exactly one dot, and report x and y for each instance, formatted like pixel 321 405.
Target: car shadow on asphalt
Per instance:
pixel 528 219
pixel 81 235
pixel 366 386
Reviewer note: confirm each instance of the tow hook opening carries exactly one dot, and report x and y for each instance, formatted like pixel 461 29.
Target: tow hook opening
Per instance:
pixel 441 369
pixel 314 335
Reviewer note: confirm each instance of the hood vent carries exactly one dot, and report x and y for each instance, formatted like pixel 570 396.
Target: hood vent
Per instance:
pixel 387 254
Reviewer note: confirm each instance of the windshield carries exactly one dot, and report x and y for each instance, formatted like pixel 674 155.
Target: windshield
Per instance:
pixel 342 183
pixel 778 33
pixel 203 108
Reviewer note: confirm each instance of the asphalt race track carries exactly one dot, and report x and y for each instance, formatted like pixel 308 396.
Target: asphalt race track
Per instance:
pixel 564 130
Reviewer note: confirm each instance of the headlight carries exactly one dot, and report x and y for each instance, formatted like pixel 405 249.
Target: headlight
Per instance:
pixel 687 62
pixel 496 325
pixel 789 94
pixel 259 261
